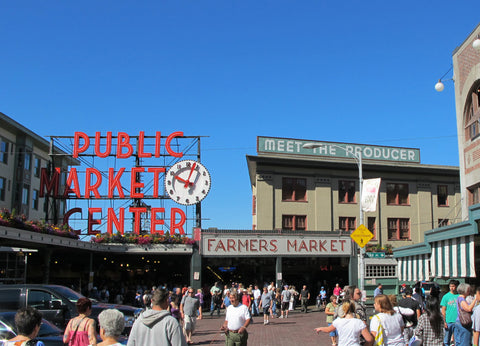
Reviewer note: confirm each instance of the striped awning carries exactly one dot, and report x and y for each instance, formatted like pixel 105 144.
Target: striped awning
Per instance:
pixel 414 268
pixel 453 257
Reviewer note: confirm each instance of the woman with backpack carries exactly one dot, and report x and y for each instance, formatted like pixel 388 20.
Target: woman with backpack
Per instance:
pixel 386 324
pixel 349 327
pixel 463 332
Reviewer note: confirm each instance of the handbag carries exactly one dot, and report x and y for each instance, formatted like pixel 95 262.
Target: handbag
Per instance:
pixel 464 317
pixel 415 341
pixel 380 333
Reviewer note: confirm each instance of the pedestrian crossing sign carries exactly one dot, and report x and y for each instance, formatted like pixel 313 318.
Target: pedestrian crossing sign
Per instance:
pixel 361 236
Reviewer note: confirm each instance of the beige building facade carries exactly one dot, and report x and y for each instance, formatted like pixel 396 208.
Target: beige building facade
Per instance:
pixel 302 190
pixel 466 67
pixel 23 154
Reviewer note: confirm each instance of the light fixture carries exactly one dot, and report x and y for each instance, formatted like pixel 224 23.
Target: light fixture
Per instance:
pixel 440 86
pixel 476 44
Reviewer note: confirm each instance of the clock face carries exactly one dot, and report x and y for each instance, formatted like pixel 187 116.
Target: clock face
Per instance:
pixel 187 182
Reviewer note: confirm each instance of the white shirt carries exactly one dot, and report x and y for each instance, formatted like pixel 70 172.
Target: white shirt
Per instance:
pixel 236 316
pixel 349 330
pixel 392 326
pixel 257 294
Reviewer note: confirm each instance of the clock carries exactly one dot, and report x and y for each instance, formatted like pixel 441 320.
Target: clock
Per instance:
pixel 187 182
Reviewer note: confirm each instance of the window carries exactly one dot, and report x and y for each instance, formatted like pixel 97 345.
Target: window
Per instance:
pixel 35 197
pixel 397 194
pixel 346 191
pixel 294 222
pixel 442 195
pixel 443 222
pixel 347 224
pixel 378 270
pixel 9 298
pixel 27 164
pixel 37 167
pixel 40 299
pixel 3 185
pixel 4 151
pixel 25 196
pixel 398 229
pixel 472 114
pixel 372 226
pixel 473 195
pixel 294 189
pixel 254 205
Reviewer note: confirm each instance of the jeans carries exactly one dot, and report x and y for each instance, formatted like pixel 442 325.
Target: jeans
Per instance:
pixel 449 332
pixel 255 307
pixel 304 304
pixel 463 336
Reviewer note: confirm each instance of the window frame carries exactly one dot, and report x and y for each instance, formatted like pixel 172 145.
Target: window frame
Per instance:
pixel 396 191
pixel 27 161
pixel 294 221
pixel 35 199
pixel 374 231
pixel 349 221
pixel 347 198
pixel 443 222
pixel 439 187
pixel 25 196
pixel 294 184
pixel 37 166
pixel 3 189
pixel 4 147
pixel 398 228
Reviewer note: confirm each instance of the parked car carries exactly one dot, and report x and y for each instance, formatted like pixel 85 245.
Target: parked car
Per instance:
pixel 49 333
pixel 57 303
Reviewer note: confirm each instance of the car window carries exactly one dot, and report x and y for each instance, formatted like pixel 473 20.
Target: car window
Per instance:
pixel 6 332
pixel 40 299
pixel 68 293
pixel 10 299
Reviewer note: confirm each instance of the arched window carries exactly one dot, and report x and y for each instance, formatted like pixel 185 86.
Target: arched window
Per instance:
pixel 472 113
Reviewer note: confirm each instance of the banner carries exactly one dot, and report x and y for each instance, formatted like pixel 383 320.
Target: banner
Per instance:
pixel 369 194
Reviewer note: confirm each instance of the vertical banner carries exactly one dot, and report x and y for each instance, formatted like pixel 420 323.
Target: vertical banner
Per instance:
pixel 369 194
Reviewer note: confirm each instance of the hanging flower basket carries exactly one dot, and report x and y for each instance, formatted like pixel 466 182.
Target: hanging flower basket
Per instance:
pixel 10 219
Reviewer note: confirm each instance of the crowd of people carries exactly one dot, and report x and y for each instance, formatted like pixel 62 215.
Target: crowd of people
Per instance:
pixel 452 319
pixel 169 317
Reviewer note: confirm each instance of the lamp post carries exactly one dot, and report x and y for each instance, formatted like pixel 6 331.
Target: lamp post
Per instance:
pixel 358 160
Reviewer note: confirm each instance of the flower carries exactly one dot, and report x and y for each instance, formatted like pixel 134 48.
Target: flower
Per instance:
pixel 10 219
pixel 142 239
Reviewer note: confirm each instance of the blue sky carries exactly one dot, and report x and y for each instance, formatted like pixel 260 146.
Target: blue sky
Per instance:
pixel 351 71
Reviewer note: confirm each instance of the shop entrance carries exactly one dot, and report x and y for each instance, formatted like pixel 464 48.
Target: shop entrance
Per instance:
pixel 298 271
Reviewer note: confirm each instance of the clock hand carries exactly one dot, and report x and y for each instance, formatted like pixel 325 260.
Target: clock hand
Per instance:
pixel 184 181
pixel 190 175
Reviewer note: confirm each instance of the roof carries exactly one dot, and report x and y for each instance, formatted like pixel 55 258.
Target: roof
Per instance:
pixel 14 127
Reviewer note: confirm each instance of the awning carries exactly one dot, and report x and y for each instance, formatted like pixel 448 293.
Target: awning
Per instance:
pixel 414 268
pixel 453 257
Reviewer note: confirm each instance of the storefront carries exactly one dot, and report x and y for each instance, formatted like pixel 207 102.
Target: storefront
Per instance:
pixel 293 258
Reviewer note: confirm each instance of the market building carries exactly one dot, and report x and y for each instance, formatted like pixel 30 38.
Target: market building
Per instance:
pixel 303 198
pixel 449 252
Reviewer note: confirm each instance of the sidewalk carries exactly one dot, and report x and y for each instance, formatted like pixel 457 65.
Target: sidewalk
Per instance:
pixel 297 330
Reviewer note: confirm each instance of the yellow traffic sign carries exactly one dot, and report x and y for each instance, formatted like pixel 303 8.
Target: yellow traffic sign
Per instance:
pixel 361 235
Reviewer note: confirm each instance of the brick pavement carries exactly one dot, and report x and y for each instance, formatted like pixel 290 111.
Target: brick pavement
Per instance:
pixel 297 330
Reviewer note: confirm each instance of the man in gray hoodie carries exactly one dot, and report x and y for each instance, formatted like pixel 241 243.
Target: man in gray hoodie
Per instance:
pixel 157 326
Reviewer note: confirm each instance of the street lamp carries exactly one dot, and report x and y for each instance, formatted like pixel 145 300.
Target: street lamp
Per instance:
pixel 358 160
